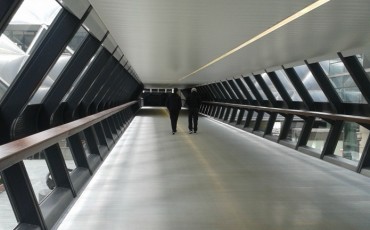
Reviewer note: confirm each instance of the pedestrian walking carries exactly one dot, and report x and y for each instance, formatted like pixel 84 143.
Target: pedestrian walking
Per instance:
pixel 193 101
pixel 173 104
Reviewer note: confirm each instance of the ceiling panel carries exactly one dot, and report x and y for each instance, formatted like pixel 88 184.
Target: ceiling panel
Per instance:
pixel 165 40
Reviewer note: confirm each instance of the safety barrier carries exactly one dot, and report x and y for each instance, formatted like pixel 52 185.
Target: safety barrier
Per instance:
pixel 100 130
pixel 241 116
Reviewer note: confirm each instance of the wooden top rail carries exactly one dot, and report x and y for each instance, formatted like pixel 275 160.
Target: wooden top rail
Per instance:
pixel 15 151
pixel 328 116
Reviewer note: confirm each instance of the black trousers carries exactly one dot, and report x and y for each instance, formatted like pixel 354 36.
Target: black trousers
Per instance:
pixel 174 115
pixel 193 119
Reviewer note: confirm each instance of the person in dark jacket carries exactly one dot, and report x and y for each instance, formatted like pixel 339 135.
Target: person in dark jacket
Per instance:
pixel 193 101
pixel 173 104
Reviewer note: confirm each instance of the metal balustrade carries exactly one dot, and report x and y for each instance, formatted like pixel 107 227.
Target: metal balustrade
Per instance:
pixel 255 116
pixel 67 183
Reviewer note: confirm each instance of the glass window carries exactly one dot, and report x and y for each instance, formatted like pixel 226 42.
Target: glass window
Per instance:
pixel 3 88
pixel 80 76
pixel 342 81
pixel 240 91
pixel 271 86
pixel 55 72
pixel 288 85
pixel 364 59
pixel 7 217
pixel 228 118
pixel 39 173
pixel 252 123
pixel 258 87
pixel 237 114
pixel 84 144
pixel 352 141
pixel 67 155
pixel 210 90
pixel 25 30
pixel 249 90
pixel 264 122
pixel 231 90
pixel 276 129
pixel 319 134
pixel 310 83
pixel 295 129
pixel 224 91
pixel 244 118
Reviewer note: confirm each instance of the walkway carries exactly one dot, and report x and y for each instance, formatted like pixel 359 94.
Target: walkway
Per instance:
pixel 220 178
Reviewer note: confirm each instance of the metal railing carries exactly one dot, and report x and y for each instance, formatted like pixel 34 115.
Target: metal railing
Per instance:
pixel 235 114
pixel 107 125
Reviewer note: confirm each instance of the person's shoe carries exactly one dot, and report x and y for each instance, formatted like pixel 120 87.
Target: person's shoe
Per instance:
pixel 190 131
pixel 173 133
pixel 195 131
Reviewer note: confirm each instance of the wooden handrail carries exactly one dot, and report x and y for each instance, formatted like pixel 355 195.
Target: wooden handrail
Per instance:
pixel 16 151
pixel 329 116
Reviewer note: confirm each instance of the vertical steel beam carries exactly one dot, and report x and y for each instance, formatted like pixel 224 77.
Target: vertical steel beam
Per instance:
pixel 253 89
pixel 244 90
pixel 259 118
pixel 280 88
pixel 225 97
pixel 211 92
pixel 265 89
pixel 232 94
pixel 240 117
pixel 300 88
pixel 219 96
pixel 365 158
pixel 64 82
pixel 249 118
pixel 358 74
pixel 22 196
pixel 105 75
pixel 306 131
pixel 270 124
pixel 83 85
pixel 233 115
pixel 58 168
pixel 326 86
pixel 35 69
pixel 286 127
pixel 332 139
pixel 110 91
pixel 92 141
pixel 237 91
pixel 7 10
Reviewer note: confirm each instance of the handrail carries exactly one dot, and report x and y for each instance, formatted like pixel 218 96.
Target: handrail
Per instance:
pixel 15 151
pixel 329 116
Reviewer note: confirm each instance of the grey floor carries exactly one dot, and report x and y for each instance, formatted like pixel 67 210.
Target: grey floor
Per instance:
pixel 219 178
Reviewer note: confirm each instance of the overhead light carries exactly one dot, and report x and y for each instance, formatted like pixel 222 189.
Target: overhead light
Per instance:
pixel 264 33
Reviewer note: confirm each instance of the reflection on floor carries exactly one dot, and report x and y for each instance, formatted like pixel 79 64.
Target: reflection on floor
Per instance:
pixel 219 178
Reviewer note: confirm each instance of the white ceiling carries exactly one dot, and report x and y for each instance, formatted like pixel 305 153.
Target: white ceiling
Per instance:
pixel 166 40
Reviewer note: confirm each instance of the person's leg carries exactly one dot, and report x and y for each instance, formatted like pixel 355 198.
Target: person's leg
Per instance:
pixel 173 121
pixel 195 117
pixel 190 120
pixel 175 118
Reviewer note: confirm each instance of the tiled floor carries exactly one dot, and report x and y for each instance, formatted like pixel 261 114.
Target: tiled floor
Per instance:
pixel 219 178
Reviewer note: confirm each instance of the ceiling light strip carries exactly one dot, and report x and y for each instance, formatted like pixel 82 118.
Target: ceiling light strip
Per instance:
pixel 264 33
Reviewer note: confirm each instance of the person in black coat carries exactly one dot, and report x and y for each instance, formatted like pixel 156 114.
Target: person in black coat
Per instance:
pixel 193 101
pixel 173 104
